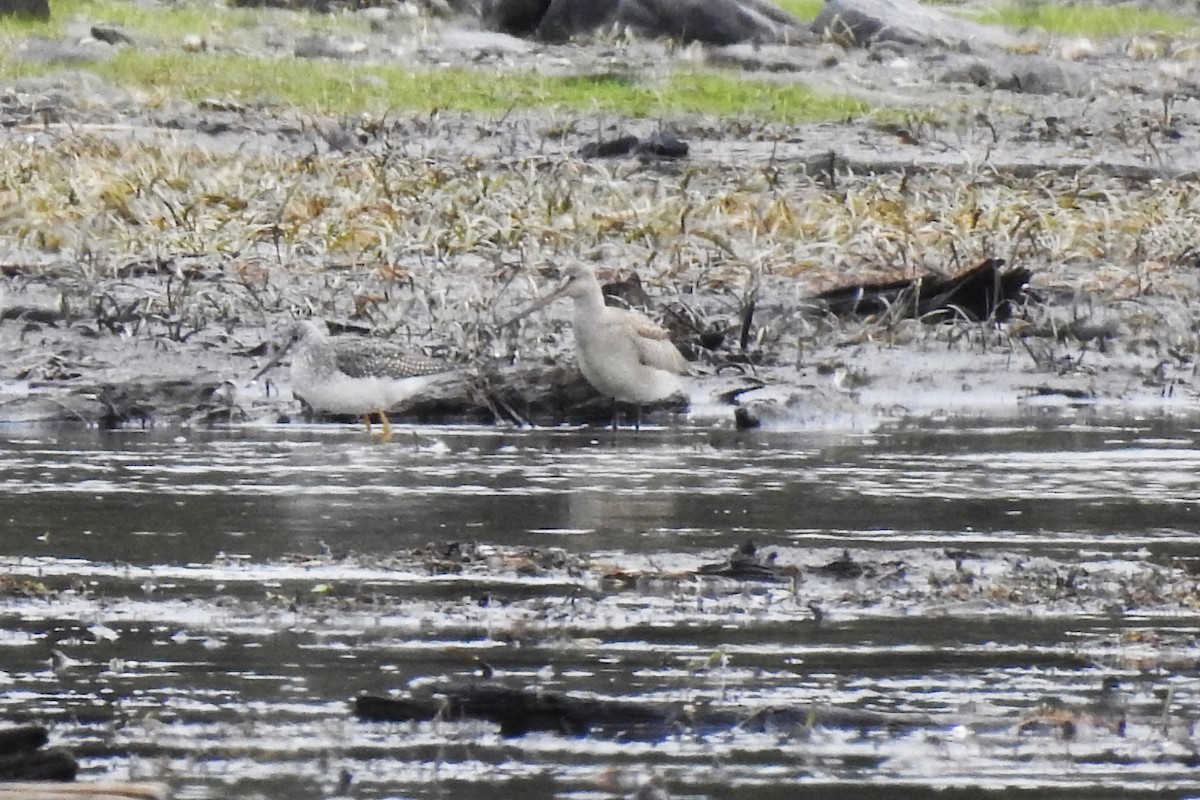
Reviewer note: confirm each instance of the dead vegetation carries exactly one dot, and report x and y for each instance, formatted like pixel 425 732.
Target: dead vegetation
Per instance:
pixel 432 229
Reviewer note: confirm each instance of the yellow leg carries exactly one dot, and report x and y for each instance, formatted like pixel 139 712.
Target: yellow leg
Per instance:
pixel 386 436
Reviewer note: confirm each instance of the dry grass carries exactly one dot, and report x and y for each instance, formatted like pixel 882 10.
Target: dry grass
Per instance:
pixel 386 208
pixel 427 238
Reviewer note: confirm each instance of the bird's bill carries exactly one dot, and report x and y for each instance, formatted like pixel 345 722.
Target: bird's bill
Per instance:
pixel 273 361
pixel 541 302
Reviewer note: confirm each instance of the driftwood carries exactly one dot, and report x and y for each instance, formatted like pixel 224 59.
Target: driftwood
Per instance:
pixel 521 710
pixel 986 291
pixel 83 791
pixel 659 145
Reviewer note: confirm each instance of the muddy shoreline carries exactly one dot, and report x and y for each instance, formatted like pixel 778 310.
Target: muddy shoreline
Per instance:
pixel 162 246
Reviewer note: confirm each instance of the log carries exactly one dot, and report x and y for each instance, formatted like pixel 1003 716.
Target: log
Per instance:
pixel 83 791
pixel 516 711
pixel 522 710
pixel 986 291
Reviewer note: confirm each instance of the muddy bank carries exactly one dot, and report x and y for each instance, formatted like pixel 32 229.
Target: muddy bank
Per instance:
pixel 154 250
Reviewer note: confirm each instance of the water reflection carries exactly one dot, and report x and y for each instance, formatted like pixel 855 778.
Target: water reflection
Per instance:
pixel 223 593
pixel 145 497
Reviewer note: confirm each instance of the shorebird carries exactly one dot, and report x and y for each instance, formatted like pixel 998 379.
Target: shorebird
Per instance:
pixel 623 354
pixel 363 377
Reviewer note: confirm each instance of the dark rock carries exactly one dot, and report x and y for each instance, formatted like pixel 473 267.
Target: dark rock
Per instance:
pixel 862 22
pixel 628 293
pixel 660 145
pixel 663 145
pixel 22 759
pixel 521 710
pixel 718 22
pixel 39 765
pixel 610 148
pixel 35 9
pixel 517 17
pixel 110 34
pixel 22 739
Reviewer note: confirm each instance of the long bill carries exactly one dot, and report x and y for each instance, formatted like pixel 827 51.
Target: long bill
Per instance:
pixel 273 361
pixel 541 302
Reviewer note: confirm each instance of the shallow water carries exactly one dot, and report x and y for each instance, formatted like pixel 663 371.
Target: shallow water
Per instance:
pixel 221 596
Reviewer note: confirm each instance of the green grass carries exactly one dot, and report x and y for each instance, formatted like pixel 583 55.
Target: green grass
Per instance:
pixel 167 20
pixel 1099 21
pixel 804 9
pixel 339 88
pixel 343 87
pixel 170 21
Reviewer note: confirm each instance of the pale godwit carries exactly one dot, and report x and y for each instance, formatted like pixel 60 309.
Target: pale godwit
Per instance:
pixel 622 354
pixel 363 377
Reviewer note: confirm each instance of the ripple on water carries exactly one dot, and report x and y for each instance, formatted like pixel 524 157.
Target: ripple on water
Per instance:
pixel 220 599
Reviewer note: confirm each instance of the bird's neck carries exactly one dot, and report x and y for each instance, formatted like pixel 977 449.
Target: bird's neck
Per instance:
pixel 316 358
pixel 589 303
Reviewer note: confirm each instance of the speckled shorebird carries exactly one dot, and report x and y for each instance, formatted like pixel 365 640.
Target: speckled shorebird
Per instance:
pixel 363 377
pixel 623 354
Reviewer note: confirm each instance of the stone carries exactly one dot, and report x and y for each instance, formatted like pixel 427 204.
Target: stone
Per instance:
pixel 111 34
pixel 516 17
pixel 863 22
pixel 1020 73
pixel 57 51
pixel 718 22
pixel 36 9
pixel 323 46
pixel 194 43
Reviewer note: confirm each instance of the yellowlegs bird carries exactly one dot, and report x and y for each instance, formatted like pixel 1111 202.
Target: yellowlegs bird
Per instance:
pixel 363 377
pixel 622 354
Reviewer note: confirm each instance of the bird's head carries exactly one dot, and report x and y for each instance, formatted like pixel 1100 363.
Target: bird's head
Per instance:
pixel 305 330
pixel 578 280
